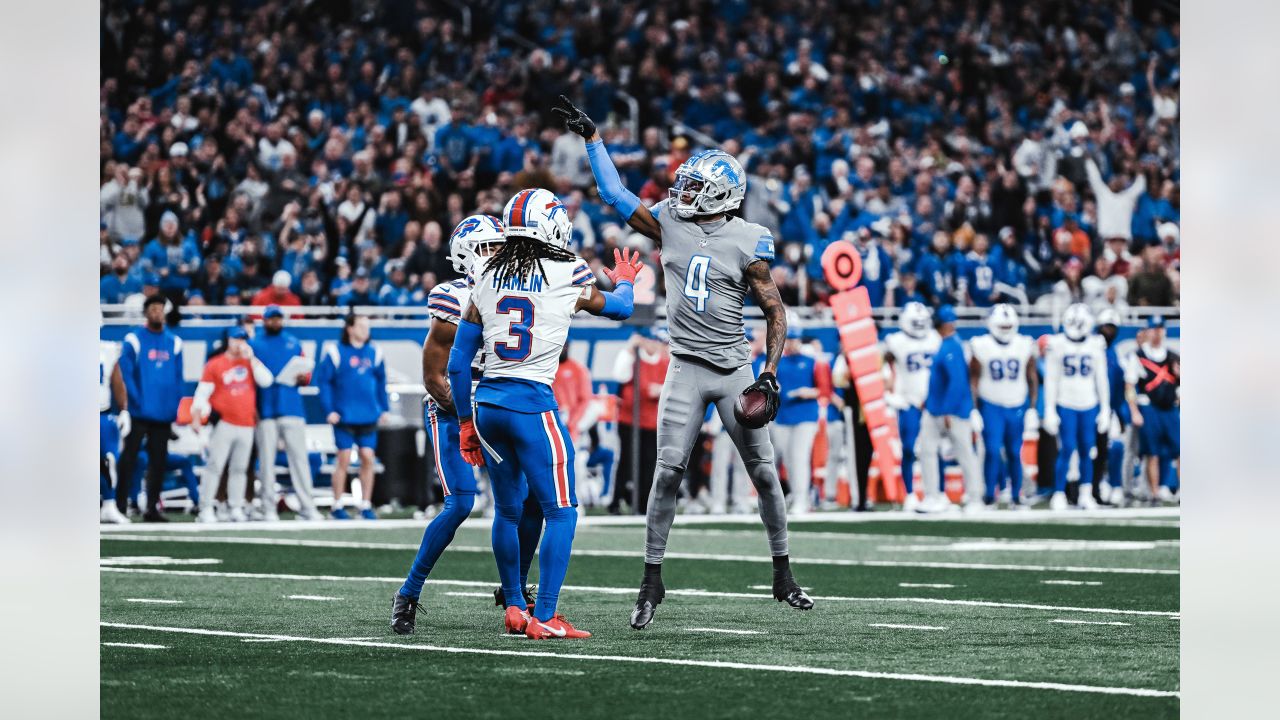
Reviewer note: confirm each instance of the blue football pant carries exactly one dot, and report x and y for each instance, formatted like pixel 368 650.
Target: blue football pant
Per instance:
pixel 1077 432
pixel 1002 438
pixel 909 432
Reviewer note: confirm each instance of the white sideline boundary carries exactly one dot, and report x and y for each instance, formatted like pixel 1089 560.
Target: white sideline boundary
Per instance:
pixel 719 664
pixel 631 591
pixel 585 552
pixel 1158 517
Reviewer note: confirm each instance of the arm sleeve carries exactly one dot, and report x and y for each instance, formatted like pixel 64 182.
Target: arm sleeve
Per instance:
pixel 261 375
pixel 619 303
pixel 608 183
pixel 466 343
pixel 1095 179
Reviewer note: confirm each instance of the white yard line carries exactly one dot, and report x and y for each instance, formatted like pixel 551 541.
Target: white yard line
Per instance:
pixel 1089 622
pixel 720 664
pixel 488 595
pixel 894 626
pixel 153 601
pixel 1070 582
pixel 631 591
pixel 761 558
pixel 144 646
pixel 926 585
pixel 727 631
pixel 312 597
pixel 1031 545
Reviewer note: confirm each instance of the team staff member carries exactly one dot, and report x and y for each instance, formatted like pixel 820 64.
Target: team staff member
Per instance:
pixel 1160 436
pixel 280 414
pixel 947 412
pixel 228 387
pixel 110 427
pixel 797 423
pixel 1110 461
pixel 352 380
pixel 649 376
pixel 151 363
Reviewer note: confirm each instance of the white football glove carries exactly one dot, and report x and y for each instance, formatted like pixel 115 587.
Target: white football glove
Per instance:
pixel 1031 421
pixel 124 423
pixel 1104 421
pixel 975 420
pixel 1051 423
pixel 895 401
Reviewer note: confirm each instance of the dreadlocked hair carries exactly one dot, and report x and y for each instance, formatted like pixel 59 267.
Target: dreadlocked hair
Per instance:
pixel 520 255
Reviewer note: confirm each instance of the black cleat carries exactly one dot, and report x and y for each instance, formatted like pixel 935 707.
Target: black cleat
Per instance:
pixel 787 591
pixel 651 595
pixel 404 614
pixel 530 596
pixel 154 516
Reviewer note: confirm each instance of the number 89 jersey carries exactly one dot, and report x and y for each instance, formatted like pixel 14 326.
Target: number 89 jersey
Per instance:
pixel 1003 380
pixel 526 320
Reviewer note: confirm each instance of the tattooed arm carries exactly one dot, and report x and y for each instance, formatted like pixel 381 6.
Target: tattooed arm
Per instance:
pixel 775 313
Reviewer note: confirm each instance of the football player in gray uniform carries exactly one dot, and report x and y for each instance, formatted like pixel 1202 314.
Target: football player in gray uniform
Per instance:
pixel 711 260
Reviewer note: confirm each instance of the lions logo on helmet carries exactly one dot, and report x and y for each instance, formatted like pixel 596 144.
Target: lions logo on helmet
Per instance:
pixel 1003 322
pixel 708 183
pixel 1077 322
pixel 915 319
pixel 470 237
pixel 538 214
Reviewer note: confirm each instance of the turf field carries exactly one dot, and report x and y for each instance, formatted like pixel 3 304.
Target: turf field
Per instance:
pixel 1001 616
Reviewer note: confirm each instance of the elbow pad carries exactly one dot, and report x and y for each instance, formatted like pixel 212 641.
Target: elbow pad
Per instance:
pixel 619 303
pixel 608 183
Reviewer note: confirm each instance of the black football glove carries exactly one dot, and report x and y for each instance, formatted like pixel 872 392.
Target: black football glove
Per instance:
pixel 574 119
pixel 768 384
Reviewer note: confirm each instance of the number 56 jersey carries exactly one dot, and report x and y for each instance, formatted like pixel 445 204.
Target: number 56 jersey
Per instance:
pixel 1003 380
pixel 1079 370
pixel 526 320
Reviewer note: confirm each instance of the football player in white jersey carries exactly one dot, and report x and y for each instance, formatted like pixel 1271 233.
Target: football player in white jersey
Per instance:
pixel 111 428
pixel 908 355
pixel 1003 370
pixel 523 299
pixel 1075 391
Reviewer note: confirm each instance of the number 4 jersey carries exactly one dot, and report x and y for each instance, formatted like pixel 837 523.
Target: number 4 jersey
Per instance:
pixel 526 320
pixel 1079 372
pixel 1003 380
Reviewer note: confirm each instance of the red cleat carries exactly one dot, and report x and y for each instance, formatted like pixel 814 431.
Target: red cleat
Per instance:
pixel 557 628
pixel 517 620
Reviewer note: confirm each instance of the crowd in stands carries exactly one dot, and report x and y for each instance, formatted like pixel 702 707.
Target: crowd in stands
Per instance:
pixel 320 153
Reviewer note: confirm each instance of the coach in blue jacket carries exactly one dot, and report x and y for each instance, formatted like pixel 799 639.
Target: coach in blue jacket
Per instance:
pixel 151 363
pixel 281 416
pixel 948 408
pixel 352 381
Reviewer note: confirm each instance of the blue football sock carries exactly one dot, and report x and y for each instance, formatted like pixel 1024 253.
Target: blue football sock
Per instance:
pixel 435 539
pixel 553 564
pixel 530 531
pixel 104 486
pixel 506 550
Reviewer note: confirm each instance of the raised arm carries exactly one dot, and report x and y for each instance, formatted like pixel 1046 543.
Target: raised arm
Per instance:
pixel 767 297
pixel 435 360
pixel 608 182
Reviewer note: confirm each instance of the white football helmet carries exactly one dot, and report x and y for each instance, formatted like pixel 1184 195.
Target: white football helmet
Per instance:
pixel 470 237
pixel 915 319
pixel 1108 316
pixel 708 183
pixel 1003 322
pixel 538 214
pixel 1077 322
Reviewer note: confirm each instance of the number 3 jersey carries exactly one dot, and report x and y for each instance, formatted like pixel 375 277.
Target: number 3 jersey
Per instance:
pixel 1003 380
pixel 912 358
pixel 705 266
pixel 1076 372
pixel 526 320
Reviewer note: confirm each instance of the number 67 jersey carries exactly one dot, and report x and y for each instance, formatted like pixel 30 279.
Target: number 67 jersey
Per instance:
pixel 526 320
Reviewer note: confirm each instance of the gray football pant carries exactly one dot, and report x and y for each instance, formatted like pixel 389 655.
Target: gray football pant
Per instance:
pixel 293 431
pixel 932 430
pixel 688 388
pixel 229 449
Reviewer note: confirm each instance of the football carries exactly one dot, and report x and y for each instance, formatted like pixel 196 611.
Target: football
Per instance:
pixel 752 408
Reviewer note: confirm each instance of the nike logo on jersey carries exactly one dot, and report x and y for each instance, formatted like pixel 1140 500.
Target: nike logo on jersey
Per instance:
pixel 557 632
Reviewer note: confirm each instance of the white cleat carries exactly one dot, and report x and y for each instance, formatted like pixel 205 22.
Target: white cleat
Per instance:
pixel 974 507
pixel 207 515
pixel 1104 493
pixel 236 515
pixel 911 504
pixel 112 515
pixel 1164 494
pixel 1058 502
pixel 1086 501
pixel 1005 498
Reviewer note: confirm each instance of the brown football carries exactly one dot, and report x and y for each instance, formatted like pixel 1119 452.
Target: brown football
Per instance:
pixel 751 408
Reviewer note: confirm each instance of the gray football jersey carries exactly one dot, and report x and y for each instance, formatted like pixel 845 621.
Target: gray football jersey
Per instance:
pixel 705 266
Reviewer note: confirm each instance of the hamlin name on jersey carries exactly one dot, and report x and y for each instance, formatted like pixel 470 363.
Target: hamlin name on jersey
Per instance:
pixel 912 358
pixel 1004 369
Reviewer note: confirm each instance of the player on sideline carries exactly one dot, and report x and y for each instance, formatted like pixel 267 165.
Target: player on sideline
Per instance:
pixel 1003 372
pixel 476 237
pixel 909 354
pixel 711 261
pixel 1075 390
pixel 521 305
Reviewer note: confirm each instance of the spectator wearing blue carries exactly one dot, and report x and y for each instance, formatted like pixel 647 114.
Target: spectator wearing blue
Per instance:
pixel 981 273
pixel 455 148
pixel 394 292
pixel 947 409
pixel 1011 269
pixel 359 293
pixel 151 364
pixel 509 155
pixel 173 257
pixel 118 284
pixel 937 281
pixel 877 263
pixel 352 380
pixel 392 219
pixel 281 417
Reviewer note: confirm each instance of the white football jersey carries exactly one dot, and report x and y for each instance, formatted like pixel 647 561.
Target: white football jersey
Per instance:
pixel 1004 369
pixel 526 320
pixel 912 358
pixel 108 356
pixel 1076 373
pixel 446 303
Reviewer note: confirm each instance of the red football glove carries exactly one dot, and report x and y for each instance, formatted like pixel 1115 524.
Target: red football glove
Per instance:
pixel 469 443
pixel 625 268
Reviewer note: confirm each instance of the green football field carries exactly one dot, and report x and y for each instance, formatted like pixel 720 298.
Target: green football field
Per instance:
pixel 1014 616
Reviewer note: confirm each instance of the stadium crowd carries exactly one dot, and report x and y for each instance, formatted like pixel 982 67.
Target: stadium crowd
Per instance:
pixel 320 153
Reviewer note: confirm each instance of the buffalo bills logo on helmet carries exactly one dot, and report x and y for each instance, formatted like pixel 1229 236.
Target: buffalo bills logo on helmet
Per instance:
pixel 466 227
